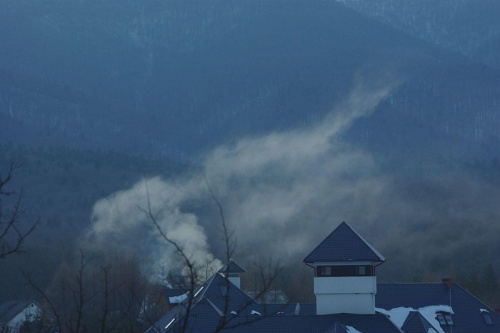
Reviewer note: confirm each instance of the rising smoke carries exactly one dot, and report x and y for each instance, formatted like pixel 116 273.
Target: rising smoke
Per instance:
pixel 284 191
pixel 272 188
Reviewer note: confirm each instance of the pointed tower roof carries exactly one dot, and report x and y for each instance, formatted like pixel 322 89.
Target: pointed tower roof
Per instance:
pixel 231 267
pixel 344 244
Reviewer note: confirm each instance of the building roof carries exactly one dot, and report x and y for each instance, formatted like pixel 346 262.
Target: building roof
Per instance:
pixel 416 323
pixel 400 308
pixel 344 245
pixel 468 311
pixel 216 296
pixel 231 267
pixel 10 309
pixel 376 323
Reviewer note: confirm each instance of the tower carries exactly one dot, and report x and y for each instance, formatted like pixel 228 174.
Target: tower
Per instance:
pixel 232 272
pixel 344 273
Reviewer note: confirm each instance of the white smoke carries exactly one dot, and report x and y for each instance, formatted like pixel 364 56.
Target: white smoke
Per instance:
pixel 121 220
pixel 277 192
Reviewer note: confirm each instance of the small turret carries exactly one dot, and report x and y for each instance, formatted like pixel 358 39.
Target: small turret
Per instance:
pixel 344 266
pixel 232 272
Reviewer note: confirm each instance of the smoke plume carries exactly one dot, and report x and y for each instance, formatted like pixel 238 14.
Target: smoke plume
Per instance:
pixel 283 192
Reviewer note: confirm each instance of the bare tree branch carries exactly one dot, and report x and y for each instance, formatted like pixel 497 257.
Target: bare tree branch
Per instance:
pixel 53 309
pixel 225 322
pixel 12 236
pixel 187 260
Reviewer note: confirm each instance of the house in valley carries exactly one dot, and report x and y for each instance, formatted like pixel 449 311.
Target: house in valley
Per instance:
pixel 348 300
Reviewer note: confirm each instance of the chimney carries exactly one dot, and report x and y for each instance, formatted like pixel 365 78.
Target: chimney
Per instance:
pixel 448 282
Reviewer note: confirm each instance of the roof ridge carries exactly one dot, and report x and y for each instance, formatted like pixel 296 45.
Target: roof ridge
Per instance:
pixel 215 307
pixel 369 245
pixel 344 244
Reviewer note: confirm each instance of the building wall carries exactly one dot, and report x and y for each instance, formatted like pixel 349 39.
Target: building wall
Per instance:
pixel 345 303
pixel 235 281
pixel 354 294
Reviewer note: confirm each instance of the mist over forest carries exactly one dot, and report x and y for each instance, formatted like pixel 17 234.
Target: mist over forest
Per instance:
pixel 297 115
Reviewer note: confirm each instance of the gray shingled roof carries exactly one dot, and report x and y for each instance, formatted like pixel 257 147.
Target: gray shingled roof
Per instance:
pixel 344 245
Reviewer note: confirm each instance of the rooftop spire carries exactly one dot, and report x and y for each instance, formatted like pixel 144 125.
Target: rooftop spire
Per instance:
pixel 344 245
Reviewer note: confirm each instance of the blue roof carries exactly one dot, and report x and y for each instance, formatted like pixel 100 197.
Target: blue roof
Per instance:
pixel 344 245
pixel 202 321
pixel 338 328
pixel 376 323
pixel 213 298
pixel 231 267
pixel 416 323
pixel 467 315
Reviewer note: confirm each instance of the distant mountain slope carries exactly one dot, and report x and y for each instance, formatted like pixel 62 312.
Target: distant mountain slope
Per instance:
pixel 61 185
pixel 176 77
pixel 470 27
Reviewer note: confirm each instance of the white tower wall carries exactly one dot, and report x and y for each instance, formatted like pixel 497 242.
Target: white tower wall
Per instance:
pixel 350 294
pixel 235 280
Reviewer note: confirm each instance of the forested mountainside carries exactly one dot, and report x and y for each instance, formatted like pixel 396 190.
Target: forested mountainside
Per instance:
pixel 174 78
pixel 60 186
pixel 468 26
pixel 96 94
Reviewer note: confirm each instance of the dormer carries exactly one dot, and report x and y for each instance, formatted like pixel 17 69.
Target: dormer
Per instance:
pixel 232 272
pixel 344 273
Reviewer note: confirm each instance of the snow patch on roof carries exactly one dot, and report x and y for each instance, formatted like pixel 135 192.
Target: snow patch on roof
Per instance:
pixel 177 299
pixel 351 329
pixel 399 315
pixel 255 313
pixel 484 310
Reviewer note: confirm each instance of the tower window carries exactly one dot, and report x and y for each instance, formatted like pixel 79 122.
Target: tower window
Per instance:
pixel 344 270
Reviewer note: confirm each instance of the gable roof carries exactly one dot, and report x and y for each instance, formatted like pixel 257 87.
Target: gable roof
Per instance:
pixel 338 328
pixel 231 267
pixel 211 299
pixel 416 323
pixel 344 245
pixel 467 310
pixel 10 309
